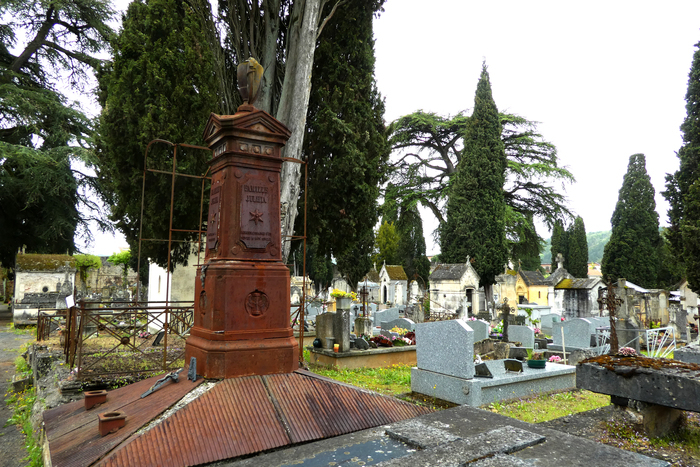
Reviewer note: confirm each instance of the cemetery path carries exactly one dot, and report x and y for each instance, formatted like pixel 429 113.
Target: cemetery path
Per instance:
pixel 11 438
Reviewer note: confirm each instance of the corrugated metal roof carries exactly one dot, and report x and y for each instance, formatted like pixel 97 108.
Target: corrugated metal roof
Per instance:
pixel 72 432
pixel 238 416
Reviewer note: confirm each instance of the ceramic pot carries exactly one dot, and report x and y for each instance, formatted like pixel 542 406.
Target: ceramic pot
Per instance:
pixel 536 363
pixel 317 343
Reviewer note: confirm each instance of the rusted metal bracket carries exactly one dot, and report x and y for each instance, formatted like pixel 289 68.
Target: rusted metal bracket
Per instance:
pixel 161 382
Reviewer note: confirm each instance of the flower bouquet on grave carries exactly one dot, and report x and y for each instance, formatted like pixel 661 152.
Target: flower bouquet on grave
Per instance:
pixel 382 341
pixel 627 352
pixel 497 331
pixel 411 336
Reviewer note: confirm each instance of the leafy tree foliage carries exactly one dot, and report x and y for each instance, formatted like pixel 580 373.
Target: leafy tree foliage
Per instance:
pixel 577 259
pixel 345 140
pixel 123 258
pixel 476 209
pixel 160 85
pixel 84 263
pixel 386 245
pixel 409 228
pixel 632 252
pixel 431 149
pixel 42 134
pixel 683 187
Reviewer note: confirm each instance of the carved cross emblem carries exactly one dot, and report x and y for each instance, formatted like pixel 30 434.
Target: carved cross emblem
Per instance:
pixel 256 216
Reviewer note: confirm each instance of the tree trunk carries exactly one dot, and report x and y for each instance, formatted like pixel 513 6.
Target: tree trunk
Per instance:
pixel 294 103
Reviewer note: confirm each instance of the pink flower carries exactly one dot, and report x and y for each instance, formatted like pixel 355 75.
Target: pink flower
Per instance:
pixel 562 318
pixel 555 358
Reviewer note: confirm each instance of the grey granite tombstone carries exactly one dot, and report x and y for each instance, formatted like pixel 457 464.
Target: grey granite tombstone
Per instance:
pixel 480 328
pixel 372 308
pixel 446 347
pixel 522 334
pixel 324 327
pixel 385 316
pixel 577 333
pixel 547 321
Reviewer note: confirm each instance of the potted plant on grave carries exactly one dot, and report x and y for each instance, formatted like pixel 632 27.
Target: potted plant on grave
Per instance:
pixel 497 331
pixel 535 359
pixel 343 300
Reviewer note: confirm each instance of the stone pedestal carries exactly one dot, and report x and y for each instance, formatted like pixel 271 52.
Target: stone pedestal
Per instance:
pixel 242 291
pixel 363 326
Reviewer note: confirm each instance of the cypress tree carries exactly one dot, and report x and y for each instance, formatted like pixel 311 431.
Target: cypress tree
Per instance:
pixel 476 208
pixel 683 187
pixel 578 249
pixel 160 85
pixel 411 251
pixel 558 243
pixel 632 252
pixel 345 140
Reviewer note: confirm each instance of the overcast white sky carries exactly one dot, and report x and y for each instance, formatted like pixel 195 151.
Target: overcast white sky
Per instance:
pixel 605 79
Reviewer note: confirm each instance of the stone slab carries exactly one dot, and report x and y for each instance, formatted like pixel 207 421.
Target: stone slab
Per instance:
pixel 477 392
pixel 446 347
pixel 687 354
pixel 503 460
pixel 674 384
pixel 419 434
pixel 373 446
pixel 523 334
pixel 504 440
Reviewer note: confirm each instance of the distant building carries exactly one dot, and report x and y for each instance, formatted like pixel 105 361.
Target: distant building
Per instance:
pixel 394 285
pixel 41 282
pixel 455 287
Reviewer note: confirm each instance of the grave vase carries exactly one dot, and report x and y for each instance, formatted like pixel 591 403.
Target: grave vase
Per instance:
pixel 343 303
pixel 537 363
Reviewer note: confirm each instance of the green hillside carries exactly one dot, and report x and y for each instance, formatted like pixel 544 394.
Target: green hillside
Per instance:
pixel 596 244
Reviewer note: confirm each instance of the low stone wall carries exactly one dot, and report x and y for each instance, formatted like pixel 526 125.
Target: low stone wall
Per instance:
pixel 372 358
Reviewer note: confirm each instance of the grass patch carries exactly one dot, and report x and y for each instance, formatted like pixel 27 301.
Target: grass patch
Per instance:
pixel 22 404
pixel 545 407
pixel 393 380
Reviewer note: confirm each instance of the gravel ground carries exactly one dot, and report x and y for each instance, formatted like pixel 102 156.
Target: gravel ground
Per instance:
pixel 11 438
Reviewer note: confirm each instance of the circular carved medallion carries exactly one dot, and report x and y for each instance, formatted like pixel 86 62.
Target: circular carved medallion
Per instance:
pixel 271 178
pixel 273 250
pixel 236 250
pixel 237 173
pixel 256 303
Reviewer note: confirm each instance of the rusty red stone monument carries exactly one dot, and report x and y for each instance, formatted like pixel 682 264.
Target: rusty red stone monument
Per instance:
pixel 242 291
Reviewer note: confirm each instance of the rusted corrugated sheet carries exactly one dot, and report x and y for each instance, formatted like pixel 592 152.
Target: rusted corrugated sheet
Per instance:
pixel 316 408
pixel 251 414
pixel 72 432
pixel 234 418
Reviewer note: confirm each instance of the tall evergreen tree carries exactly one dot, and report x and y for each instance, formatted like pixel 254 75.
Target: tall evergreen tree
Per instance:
pixel 683 187
pixel 559 243
pixel 42 134
pixel 386 245
pixel 578 249
pixel 632 252
pixel 160 85
pixel 345 140
pixel 475 216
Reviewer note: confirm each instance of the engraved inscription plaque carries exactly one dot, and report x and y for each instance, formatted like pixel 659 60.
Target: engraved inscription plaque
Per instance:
pixel 256 195
pixel 213 222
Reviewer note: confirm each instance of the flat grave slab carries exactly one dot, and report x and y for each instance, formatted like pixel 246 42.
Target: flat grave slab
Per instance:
pixel 669 383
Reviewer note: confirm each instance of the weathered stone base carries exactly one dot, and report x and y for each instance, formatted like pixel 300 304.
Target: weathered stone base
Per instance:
pixel 372 358
pixel 229 359
pixel 503 386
